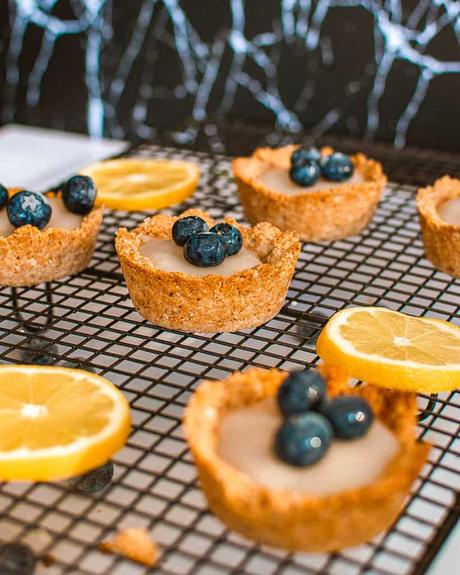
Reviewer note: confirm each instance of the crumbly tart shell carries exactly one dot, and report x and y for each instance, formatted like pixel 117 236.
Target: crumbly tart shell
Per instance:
pixel 31 256
pixel 211 303
pixel 441 240
pixel 324 215
pixel 292 520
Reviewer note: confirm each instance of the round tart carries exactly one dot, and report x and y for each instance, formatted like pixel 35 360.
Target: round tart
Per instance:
pixel 288 518
pixel 31 256
pixel 321 213
pixel 208 302
pixel 439 208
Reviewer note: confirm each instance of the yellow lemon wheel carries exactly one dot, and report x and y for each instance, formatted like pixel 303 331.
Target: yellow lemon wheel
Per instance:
pixel 143 184
pixel 57 422
pixel 393 350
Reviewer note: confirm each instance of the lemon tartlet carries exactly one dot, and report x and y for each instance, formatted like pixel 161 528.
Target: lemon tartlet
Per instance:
pixel 324 212
pixel 209 301
pixel 287 518
pixel 31 256
pixel 437 207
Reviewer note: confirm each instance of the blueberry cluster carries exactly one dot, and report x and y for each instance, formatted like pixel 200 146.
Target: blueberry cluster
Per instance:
pixel 206 247
pixel 308 165
pixel 32 208
pixel 312 421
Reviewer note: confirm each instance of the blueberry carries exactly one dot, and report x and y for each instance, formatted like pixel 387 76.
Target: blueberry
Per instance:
pixel 78 363
pixel 337 167
pixel 350 416
pixel 300 391
pixel 39 352
pixel 3 196
pixel 28 208
pixel 304 155
pixel 205 250
pixel 16 559
pixel 303 439
pixel 231 236
pixel 94 480
pixel 79 194
pixel 186 227
pixel 306 174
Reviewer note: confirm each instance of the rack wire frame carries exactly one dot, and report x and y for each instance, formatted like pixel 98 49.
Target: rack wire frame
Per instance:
pixel 88 321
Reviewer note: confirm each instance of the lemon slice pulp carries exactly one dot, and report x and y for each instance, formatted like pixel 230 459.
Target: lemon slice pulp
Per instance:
pixel 57 422
pixel 394 350
pixel 143 184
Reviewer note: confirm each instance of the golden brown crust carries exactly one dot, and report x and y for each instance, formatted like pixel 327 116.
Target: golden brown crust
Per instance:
pixel 212 303
pixel 292 520
pixel 31 256
pixel 441 240
pixel 323 215
pixel 135 544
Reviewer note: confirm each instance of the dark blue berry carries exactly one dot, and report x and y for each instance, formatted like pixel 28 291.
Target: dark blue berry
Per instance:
pixel 79 194
pixel 337 167
pixel 16 559
pixel 306 174
pixel 231 236
pixel 39 352
pixel 303 155
pixel 3 196
pixel 184 228
pixel 205 250
pixel 94 480
pixel 28 208
pixel 78 363
pixel 350 416
pixel 303 439
pixel 300 392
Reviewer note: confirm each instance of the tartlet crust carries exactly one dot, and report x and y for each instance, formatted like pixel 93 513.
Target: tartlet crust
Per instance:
pixel 211 303
pixel 31 256
pixel 441 240
pixel 292 520
pixel 324 215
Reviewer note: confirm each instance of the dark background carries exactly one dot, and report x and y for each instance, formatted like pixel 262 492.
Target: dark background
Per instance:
pixel 132 68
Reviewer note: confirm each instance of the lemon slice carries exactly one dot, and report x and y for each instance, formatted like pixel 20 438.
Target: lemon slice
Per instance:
pixel 143 184
pixel 393 350
pixel 57 422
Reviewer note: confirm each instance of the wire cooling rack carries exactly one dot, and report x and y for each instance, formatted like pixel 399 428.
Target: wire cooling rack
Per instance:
pixel 88 320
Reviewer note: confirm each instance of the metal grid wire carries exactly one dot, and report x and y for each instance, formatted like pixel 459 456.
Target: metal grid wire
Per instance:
pixel 88 320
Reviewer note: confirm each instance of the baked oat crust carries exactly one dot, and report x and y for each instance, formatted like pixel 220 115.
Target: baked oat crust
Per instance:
pixel 211 303
pixel 292 520
pixel 323 215
pixel 31 256
pixel 134 543
pixel 441 240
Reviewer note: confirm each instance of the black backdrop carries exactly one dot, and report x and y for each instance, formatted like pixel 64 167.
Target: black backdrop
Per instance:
pixel 386 70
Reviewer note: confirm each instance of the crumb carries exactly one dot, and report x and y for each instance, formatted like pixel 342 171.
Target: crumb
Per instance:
pixel 135 544
pixel 48 560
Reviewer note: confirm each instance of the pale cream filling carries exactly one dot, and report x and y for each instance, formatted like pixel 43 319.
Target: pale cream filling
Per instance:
pixel 245 440
pixel 60 218
pixel 450 211
pixel 278 180
pixel 167 256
